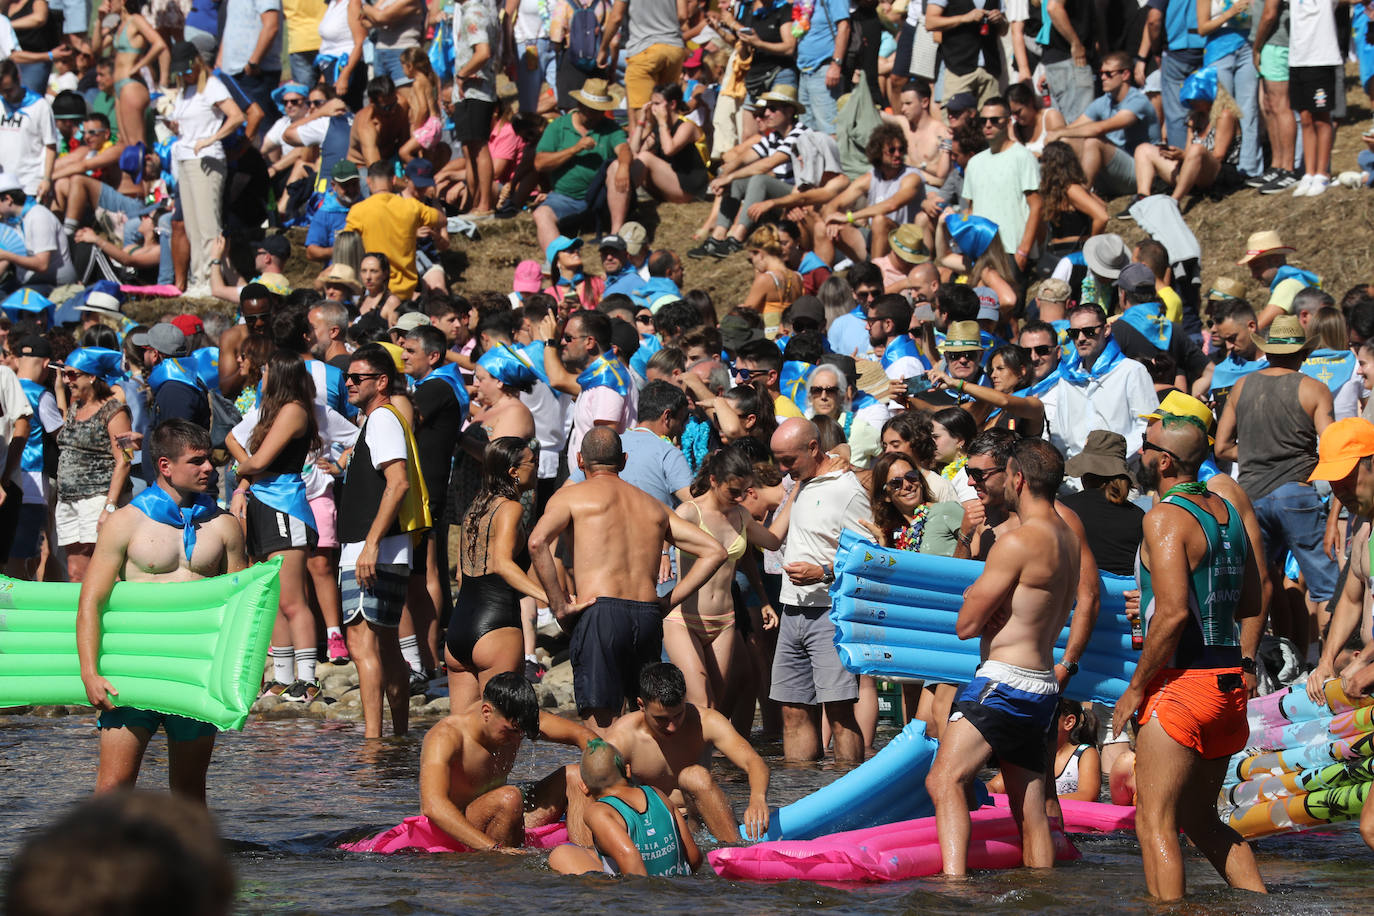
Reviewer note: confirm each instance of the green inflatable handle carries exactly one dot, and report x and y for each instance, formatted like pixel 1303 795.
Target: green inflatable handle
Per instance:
pixel 194 649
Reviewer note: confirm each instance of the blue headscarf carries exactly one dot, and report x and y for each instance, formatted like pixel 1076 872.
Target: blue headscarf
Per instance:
pixel 508 366
pixel 106 365
pixel 971 235
pixel 1200 86
pixel 1148 318
pixel 1072 368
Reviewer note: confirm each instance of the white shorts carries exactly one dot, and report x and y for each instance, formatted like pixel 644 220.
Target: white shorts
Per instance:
pixel 77 519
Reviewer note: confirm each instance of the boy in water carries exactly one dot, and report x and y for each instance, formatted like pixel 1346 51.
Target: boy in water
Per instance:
pixel 171 532
pixel 636 831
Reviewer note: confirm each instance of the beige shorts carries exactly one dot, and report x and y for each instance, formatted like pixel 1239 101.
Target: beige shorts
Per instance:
pixel 654 66
pixel 979 83
pixel 77 519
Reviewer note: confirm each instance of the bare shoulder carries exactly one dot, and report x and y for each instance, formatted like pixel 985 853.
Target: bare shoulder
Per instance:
pixel 445 737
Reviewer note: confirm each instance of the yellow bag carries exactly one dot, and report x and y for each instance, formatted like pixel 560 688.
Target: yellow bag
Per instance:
pixel 414 516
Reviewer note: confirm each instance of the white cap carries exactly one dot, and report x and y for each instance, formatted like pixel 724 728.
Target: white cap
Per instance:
pixel 9 183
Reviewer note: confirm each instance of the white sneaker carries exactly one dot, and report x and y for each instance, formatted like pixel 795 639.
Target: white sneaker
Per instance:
pixel 1319 185
pixel 1300 189
pixel 1351 179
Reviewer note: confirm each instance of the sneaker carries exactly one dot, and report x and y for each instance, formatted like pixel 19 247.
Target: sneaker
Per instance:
pixel 1304 184
pixel 1317 185
pixel 1262 179
pixel 273 689
pixel 1284 180
pixel 730 246
pixel 1352 180
pixel 711 248
pixel 419 683
pixel 301 692
pixel 534 672
pixel 336 650
pixel 1126 211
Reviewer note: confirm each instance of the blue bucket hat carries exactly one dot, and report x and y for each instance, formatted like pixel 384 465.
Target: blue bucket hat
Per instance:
pixel 562 243
pixel 1200 86
pixel 971 235
pixel 299 89
pixel 508 366
pixel 106 365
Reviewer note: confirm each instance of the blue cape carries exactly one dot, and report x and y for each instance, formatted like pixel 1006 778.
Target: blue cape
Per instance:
pixel 173 370
pixel 606 372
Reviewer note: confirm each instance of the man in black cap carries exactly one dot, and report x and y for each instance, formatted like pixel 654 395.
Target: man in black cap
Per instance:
pixel 269 259
pixel 1143 333
pixel 345 188
pixel 959 109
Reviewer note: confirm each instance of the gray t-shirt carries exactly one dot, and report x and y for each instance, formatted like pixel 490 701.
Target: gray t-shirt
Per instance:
pixel 1280 37
pixel 653 22
pixel 654 465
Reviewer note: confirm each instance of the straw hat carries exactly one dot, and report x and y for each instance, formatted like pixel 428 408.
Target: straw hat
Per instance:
pixel 872 379
pixel 1285 335
pixel 907 243
pixel 784 95
pixel 1266 242
pixel 598 95
pixel 962 335
pixel 343 275
pixel 1226 288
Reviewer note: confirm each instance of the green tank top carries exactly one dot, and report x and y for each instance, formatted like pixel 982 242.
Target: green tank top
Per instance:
pixel 654 834
pixel 1211 638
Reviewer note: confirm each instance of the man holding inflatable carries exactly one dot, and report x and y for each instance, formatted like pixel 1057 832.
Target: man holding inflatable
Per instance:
pixel 171 532
pixel 1017 607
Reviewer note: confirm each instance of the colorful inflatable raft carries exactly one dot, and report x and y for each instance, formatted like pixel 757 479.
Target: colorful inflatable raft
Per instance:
pixel 1306 764
pixel 418 834
pixel 894 614
pixel 193 649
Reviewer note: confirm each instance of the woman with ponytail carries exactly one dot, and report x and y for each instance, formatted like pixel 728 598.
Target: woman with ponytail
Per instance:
pixel 700 634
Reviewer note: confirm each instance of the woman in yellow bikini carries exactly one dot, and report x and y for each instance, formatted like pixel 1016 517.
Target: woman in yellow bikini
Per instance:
pixel 700 634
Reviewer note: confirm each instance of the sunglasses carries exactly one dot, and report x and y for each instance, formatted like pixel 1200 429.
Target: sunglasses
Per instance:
pixel 292 101
pixel 828 391
pixel 317 103
pixel 865 294
pixel 357 378
pixel 1111 72
pixel 1090 331
pixel 645 318
pixel 980 476
pixel 963 356
pixel 981 121
pixel 1148 446
pixel 745 375
pixel 1041 349
pixel 569 338
pixel 910 479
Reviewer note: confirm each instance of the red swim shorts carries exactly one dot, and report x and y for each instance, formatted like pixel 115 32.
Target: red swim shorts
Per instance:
pixel 1200 708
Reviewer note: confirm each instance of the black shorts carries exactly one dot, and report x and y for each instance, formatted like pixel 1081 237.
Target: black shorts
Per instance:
pixel 472 121
pixel 1312 89
pixel 271 530
pixel 611 642
pixel 901 61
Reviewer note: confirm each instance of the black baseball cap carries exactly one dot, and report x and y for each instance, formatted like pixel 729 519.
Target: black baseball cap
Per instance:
pixel 34 346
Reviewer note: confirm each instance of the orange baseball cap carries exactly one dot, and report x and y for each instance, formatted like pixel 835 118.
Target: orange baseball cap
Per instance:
pixel 1342 446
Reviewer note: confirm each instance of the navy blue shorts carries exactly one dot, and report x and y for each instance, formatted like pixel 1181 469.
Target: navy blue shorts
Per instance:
pixel 611 642
pixel 1014 709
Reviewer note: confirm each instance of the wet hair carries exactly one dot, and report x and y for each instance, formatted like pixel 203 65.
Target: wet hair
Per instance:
pixel 958 302
pixel 958 423
pixel 998 444
pixel 288 380
pixel 753 398
pixel 173 438
pixel 662 683
pixel 1041 464
pixel 379 87
pixel 659 396
pixel 500 457
pixel 913 426
pixel 1085 729
pixel 878 141
pixel 512 696
pixel 885 514
pixel 126 851
pixel 725 463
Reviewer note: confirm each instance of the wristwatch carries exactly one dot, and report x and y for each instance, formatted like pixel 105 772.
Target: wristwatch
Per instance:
pixel 827 573
pixel 111 508
pixel 1247 665
pixel 1070 668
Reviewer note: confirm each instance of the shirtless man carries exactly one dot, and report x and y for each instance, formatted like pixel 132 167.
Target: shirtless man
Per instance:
pixel 668 744
pixel 256 303
pixel 1198 579
pixel 147 541
pixel 382 126
pixel 618 532
pixel 467 757
pixel 927 137
pixel 1017 608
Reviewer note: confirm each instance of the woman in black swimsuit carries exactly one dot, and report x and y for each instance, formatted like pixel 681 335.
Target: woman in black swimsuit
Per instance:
pixel 484 637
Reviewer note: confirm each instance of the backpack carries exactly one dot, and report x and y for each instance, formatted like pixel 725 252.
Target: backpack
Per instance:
pixel 584 36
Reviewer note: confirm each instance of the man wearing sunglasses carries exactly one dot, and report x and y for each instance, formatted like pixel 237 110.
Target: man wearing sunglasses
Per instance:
pixel 1003 183
pixel 1101 388
pixel 256 304
pixel 1106 134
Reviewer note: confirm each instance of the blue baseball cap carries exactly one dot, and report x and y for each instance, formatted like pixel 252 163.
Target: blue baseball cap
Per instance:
pixel 560 244
pixel 420 172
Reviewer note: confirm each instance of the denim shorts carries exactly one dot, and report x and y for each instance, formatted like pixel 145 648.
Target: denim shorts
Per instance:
pixel 1293 518
pixel 565 207
pixel 388 61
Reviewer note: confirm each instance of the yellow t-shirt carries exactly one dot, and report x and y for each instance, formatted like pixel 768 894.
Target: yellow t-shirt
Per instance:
pixel 388 223
pixel 1173 305
pixel 302 24
pixel 784 408
pixel 1283 294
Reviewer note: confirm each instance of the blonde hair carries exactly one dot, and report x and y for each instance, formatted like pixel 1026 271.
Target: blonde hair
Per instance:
pixel 766 239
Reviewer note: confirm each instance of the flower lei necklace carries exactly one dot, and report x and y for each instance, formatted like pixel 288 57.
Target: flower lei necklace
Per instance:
pixel 801 17
pixel 952 469
pixel 909 537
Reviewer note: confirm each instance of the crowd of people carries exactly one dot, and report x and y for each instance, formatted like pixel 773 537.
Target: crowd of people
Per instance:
pixel 942 349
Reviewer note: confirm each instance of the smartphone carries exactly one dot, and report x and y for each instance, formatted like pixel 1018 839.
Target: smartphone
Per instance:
pixel 917 384
pixel 745 30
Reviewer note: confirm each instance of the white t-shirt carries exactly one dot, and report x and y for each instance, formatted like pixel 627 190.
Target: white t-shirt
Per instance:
pixel 43 232
pixel 529 25
pixel 13 406
pixel 1312 34
pixel 334 428
pixel 550 427
pixel 23 137
pixel 34 483
pixel 386 440
pixel 274 136
pixel 198 119
pixel 9 42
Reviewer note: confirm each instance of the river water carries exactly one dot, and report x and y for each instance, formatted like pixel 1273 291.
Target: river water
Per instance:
pixel 286 792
